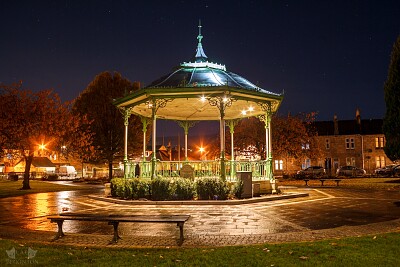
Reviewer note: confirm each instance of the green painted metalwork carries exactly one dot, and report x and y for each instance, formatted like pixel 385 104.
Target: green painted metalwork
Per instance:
pixel 260 169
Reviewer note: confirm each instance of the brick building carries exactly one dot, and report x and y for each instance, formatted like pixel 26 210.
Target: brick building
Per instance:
pixel 355 142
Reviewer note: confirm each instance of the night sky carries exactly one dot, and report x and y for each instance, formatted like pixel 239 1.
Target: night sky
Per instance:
pixel 327 56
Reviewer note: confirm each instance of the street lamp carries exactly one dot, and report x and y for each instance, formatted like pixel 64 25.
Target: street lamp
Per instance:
pixel 201 149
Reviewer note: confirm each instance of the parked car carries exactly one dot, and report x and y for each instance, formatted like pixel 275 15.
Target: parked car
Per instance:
pixel 396 171
pixel 350 171
pixel 312 171
pixel 388 170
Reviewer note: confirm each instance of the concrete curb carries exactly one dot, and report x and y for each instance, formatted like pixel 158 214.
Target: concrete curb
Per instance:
pixel 200 202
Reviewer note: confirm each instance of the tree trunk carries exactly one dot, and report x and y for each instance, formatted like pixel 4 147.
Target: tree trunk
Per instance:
pixel 28 162
pixel 110 170
pixel 82 170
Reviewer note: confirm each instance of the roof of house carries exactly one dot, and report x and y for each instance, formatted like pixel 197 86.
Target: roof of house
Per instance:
pixel 349 127
pixel 42 162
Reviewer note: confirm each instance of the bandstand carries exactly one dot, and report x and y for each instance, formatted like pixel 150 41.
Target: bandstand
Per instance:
pixel 200 91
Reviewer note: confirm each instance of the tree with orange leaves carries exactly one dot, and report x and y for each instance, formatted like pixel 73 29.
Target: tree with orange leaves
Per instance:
pixel 29 118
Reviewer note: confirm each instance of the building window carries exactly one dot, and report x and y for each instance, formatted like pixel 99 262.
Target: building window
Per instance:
pixel 379 142
pixel 278 165
pixel 349 143
pixel 305 146
pixel 306 163
pixel 380 161
pixel 351 161
pixel 327 144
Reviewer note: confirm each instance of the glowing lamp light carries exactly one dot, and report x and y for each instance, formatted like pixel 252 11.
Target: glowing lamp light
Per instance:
pixel 41 147
pixel 203 98
pixel 244 112
pixel 201 149
pixel 251 108
pixel 225 99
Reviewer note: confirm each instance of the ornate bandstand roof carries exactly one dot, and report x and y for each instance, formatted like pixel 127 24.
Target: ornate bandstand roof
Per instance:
pixel 193 89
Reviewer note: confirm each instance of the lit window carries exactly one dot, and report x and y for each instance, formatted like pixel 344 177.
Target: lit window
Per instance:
pixel 349 143
pixel 380 161
pixel 379 142
pixel 279 164
pixel 351 161
pixel 305 146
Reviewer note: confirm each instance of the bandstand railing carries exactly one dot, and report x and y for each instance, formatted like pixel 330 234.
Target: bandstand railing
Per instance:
pixel 260 169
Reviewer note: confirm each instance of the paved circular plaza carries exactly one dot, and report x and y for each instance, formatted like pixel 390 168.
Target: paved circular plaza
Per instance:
pixel 327 212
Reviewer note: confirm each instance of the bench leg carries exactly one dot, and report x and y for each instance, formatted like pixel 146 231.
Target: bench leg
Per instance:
pixel 116 236
pixel 60 232
pixel 322 183
pixel 180 224
pixel 306 182
pixel 337 183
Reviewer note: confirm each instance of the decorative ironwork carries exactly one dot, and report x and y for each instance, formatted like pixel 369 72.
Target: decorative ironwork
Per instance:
pixel 126 112
pixel 265 106
pixel 156 103
pixel 261 170
pixel 186 125
pixel 145 123
pixel 221 102
pixel 232 124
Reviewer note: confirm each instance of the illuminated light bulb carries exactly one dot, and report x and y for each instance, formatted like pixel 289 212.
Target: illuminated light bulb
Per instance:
pixel 203 98
pixel 251 108
pixel 244 112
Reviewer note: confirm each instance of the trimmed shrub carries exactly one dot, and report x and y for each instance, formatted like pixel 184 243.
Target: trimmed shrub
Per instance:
pixel 130 188
pixel 212 188
pixel 184 189
pixel 161 189
pixel 117 187
pixel 238 189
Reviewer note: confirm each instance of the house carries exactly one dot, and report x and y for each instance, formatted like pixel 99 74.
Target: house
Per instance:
pixel 355 142
pixel 358 142
pixel 39 165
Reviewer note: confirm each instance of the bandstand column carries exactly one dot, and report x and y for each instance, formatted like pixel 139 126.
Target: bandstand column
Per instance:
pixel 145 123
pixel 221 102
pixel 232 124
pixel 154 104
pixel 127 114
pixel 153 143
pixel 266 118
pixel 186 125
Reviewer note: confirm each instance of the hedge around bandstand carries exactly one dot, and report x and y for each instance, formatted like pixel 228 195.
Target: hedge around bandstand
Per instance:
pixel 176 188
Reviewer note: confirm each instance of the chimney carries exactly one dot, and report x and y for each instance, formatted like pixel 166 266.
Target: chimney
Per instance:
pixel 358 120
pixel 335 125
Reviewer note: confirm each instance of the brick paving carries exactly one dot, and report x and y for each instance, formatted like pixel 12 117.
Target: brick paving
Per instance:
pixel 326 213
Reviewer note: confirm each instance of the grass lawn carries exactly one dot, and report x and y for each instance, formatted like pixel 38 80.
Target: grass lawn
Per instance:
pixel 380 250
pixel 11 188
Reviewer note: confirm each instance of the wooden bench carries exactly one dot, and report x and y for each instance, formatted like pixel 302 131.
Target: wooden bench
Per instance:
pixel 115 219
pixel 335 180
pixel 323 180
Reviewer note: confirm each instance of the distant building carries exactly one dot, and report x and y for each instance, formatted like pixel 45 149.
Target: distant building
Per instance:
pixel 355 142
pixel 39 165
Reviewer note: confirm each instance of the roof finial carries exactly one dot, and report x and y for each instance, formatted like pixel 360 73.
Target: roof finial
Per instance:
pixel 199 37
pixel 200 55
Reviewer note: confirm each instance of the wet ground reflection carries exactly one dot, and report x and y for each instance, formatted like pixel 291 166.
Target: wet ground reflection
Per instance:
pixel 31 211
pixel 328 208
